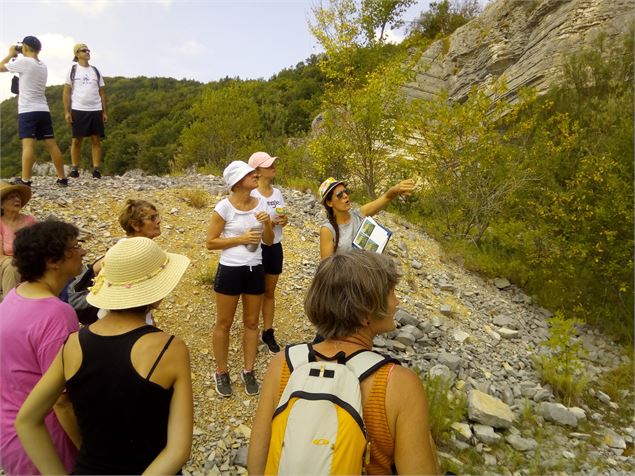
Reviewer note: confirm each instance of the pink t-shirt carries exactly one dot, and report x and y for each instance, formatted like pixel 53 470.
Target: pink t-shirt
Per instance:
pixel 32 332
pixel 8 235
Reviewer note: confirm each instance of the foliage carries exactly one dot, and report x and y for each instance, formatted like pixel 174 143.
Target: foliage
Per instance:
pixel 466 154
pixel 195 197
pixel 446 406
pixel 443 18
pixel 379 14
pixel 561 367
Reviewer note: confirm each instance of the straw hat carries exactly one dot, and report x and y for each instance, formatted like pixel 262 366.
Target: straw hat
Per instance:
pixel 24 190
pixel 326 186
pixel 136 272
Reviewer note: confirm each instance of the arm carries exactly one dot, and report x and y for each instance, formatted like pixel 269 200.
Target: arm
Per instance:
pixel 30 425
pixel 327 247
pixel 12 54
pixel 104 105
pixel 405 187
pixel 215 242
pixel 65 414
pixel 261 429
pixel 181 418
pixel 267 232
pixel 407 407
pixel 66 99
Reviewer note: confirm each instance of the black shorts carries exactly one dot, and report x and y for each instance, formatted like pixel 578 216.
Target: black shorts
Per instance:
pixel 35 125
pixel 87 123
pixel 272 258
pixel 236 280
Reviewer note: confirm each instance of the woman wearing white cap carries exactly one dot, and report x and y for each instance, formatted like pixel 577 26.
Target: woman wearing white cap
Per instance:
pixel 272 256
pixel 343 222
pixel 129 382
pixel 238 224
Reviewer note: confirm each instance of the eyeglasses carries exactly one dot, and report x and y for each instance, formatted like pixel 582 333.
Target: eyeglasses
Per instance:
pixel 77 246
pixel 155 218
pixel 85 50
pixel 341 193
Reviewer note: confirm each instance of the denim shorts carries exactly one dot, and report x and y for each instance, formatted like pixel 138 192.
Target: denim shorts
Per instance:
pixel 35 125
pixel 236 280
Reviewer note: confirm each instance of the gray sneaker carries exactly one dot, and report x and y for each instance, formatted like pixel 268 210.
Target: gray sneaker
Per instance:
pixel 251 384
pixel 223 385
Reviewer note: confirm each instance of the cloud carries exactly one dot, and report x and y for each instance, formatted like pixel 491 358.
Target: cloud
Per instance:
pixel 187 48
pixel 394 37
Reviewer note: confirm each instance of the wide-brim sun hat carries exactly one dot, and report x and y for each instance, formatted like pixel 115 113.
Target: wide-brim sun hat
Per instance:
pixel 136 272
pixel 326 187
pixel 261 159
pixel 235 172
pixel 24 190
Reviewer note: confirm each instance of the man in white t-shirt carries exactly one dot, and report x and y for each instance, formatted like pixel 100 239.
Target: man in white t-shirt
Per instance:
pixel 85 108
pixel 34 117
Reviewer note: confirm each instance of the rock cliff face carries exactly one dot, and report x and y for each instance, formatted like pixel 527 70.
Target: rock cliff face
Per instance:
pixel 522 40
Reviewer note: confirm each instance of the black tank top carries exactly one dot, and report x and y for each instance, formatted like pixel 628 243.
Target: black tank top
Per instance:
pixel 122 417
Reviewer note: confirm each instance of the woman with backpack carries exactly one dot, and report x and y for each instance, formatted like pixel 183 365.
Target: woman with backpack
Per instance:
pixel 336 236
pixel 129 382
pixel 350 301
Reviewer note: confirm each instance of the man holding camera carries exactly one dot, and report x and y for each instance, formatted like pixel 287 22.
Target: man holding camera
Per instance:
pixel 85 108
pixel 34 117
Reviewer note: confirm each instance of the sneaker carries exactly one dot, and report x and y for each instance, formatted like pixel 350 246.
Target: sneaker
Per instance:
pixel 19 181
pixel 74 173
pixel 223 385
pixel 96 173
pixel 251 384
pixel 269 339
pixel 62 182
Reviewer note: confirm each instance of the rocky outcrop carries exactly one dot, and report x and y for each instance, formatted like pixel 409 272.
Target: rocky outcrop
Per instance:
pixel 521 40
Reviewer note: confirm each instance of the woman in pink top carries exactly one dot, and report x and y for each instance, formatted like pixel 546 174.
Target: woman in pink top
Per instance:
pixel 14 197
pixel 34 323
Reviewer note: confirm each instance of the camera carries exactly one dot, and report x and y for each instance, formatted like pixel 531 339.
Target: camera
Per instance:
pixel 18 48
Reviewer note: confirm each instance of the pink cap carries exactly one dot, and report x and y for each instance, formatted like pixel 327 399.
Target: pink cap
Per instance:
pixel 261 159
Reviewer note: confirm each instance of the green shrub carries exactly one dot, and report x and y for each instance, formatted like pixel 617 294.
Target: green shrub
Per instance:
pixel 561 366
pixel 195 197
pixel 445 406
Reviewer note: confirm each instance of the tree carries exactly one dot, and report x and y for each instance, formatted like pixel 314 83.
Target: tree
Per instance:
pixel 379 14
pixel 444 17
pixel 226 123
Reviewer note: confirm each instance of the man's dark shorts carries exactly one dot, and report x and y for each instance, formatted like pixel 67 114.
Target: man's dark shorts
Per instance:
pixel 87 123
pixel 235 280
pixel 272 258
pixel 35 125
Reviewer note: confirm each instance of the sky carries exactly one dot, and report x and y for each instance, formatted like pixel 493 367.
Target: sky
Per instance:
pixel 204 40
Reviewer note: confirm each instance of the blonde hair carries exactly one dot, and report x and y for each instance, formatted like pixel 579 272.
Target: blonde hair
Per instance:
pixel 133 213
pixel 347 289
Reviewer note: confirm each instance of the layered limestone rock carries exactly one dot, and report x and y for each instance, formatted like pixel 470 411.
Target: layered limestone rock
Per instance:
pixel 523 41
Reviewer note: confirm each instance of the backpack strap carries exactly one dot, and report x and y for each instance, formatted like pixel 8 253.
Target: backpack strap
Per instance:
pixel 74 71
pixel 364 362
pixel 298 354
pixel 97 73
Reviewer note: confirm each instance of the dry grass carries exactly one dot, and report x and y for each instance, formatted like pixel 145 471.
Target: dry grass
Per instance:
pixel 195 197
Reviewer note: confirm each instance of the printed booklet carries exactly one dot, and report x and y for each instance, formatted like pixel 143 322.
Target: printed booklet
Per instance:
pixel 371 236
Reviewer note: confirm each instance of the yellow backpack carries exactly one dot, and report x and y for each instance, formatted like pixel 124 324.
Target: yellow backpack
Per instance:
pixel 317 427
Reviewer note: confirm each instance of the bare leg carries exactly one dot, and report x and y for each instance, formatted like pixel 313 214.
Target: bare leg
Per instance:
pixel 76 151
pixel 269 301
pixel 96 150
pixel 28 158
pixel 225 310
pixel 251 314
pixel 56 155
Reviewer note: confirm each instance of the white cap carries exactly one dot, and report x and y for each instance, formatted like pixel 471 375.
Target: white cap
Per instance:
pixel 235 171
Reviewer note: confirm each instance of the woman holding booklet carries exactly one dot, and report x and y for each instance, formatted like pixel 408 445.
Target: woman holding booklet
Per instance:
pixel 337 235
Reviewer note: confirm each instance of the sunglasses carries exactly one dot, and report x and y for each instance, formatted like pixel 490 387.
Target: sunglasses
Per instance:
pixel 85 50
pixel 341 193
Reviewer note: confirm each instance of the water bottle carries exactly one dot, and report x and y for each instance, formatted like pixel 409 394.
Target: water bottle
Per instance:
pixel 254 246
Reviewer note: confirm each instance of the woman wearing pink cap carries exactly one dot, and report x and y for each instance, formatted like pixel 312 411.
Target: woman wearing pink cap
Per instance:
pixel 272 256
pixel 238 224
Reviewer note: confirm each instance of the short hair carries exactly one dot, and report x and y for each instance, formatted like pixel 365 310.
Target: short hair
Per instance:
pixel 35 244
pixel 133 213
pixel 349 288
